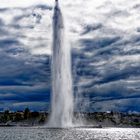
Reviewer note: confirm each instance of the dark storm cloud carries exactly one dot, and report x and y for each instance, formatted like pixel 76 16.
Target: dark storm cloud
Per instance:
pixel 25 82
pixel 107 70
pixel 24 78
pixel 92 44
pixel 124 105
pixel 105 57
pixel 89 28
pixel 2 30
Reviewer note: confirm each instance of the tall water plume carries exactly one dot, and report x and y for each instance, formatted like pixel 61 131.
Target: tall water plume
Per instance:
pixel 62 93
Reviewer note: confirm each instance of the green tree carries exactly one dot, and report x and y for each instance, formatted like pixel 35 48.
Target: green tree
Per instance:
pixel 34 114
pixel 26 113
pixel 18 116
pixel 6 116
pixel 42 119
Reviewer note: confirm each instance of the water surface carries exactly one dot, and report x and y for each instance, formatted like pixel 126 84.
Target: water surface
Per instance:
pixel 28 133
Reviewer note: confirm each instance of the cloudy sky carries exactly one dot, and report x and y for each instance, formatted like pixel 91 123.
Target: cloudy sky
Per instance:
pixel 105 41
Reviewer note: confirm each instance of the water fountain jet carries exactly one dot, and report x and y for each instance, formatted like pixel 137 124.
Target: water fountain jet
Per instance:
pixel 62 93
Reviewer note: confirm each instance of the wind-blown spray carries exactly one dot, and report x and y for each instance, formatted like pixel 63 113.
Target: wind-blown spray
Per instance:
pixel 62 95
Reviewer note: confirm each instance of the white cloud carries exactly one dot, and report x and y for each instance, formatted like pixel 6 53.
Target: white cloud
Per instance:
pixel 23 3
pixel 104 36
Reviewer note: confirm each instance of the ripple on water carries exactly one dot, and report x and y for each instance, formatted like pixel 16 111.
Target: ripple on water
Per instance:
pixel 26 133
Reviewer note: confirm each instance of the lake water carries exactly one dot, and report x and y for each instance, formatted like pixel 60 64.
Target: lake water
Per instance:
pixel 29 133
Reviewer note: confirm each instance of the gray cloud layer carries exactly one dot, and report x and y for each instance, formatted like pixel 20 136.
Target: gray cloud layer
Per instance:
pixel 105 55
